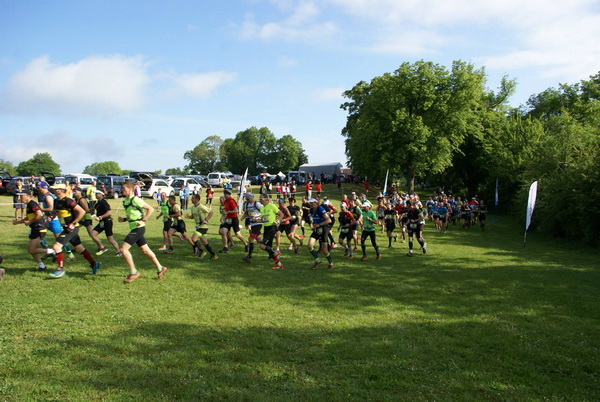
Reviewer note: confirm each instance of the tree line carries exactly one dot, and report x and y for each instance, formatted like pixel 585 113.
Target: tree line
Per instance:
pixel 445 127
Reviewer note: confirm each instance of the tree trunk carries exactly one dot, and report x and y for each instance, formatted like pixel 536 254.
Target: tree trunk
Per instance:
pixel 410 181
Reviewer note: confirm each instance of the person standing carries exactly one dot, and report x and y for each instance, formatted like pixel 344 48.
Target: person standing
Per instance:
pixel 69 214
pixel 137 213
pixel 103 215
pixel 17 204
pixel 369 222
pixel 320 226
pixel 90 194
pixel 209 195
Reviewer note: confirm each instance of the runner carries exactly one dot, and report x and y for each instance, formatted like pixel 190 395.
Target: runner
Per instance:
pixel 369 221
pixel 269 217
pixel 320 227
pixel 295 219
pixel 390 216
pixel 251 217
pixel 416 221
pixel 86 221
pixel 231 223
pixel 165 214
pixel 137 213
pixel 103 215
pixel 285 226
pixel 178 225
pixel 346 220
pixel 46 200
pixel 69 214
pixel 482 214
pixel 37 229
pixel 201 215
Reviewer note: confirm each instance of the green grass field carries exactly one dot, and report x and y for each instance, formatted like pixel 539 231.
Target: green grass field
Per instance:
pixel 478 317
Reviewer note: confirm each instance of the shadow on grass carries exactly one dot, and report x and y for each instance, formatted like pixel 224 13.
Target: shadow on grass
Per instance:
pixel 403 361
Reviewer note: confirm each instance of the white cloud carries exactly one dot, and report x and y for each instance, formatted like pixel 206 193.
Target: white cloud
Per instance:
pixel 330 94
pixel 102 84
pixel 203 85
pixel 82 150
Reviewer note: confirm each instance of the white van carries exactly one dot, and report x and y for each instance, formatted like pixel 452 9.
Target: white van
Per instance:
pixel 215 179
pixel 80 179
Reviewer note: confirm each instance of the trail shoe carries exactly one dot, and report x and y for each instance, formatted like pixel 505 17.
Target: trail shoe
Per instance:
pixel 162 248
pixel 71 256
pixel 131 277
pixel 214 257
pixel 279 265
pixel 409 254
pixel 247 259
pixel 364 258
pixel 378 256
pixel 330 266
pixel 316 264
pixel 96 268
pixel 101 251
pixel 424 248
pixel 224 250
pixel 59 273
pixel 202 254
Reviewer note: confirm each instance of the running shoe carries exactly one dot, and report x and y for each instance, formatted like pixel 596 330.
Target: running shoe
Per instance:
pixel 278 266
pixel 95 268
pixel 316 264
pixel 247 259
pixel 345 252
pixel 180 236
pixel 378 256
pixel 170 251
pixel 296 249
pixel 424 248
pixel 101 251
pixel 162 273
pixel 364 258
pixel 162 248
pixel 71 256
pixel 195 250
pixel 224 250
pixel 41 268
pixel 119 254
pixel 131 277
pixel 202 254
pixel 409 254
pixel 330 266
pixel 214 257
pixel 59 273
pixel 290 247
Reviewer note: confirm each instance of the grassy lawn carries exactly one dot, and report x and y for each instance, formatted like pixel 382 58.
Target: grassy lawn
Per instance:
pixel 478 317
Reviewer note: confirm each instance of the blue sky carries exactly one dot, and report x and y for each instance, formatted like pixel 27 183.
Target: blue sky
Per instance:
pixel 141 82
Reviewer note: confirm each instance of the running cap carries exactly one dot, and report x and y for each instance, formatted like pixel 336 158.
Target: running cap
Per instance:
pixel 281 201
pixel 324 197
pixel 43 184
pixel 100 192
pixel 367 204
pixel 227 191
pixel 21 193
pixel 313 200
pixel 248 195
pixel 77 189
pixel 59 187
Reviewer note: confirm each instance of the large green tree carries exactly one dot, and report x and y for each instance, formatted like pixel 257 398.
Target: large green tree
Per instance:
pixel 6 166
pixel 98 168
pixel 252 148
pixel 37 164
pixel 205 156
pixel 288 155
pixel 412 120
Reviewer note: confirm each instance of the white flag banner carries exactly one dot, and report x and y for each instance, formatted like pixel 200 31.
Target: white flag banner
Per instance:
pixel 531 203
pixel 242 190
pixel 496 200
pixel 385 185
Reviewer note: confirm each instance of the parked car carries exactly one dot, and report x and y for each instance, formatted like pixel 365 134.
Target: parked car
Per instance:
pixel 152 187
pixel 4 179
pixel 193 184
pixel 215 179
pixel 12 184
pixel 234 179
pixel 80 179
pixel 112 184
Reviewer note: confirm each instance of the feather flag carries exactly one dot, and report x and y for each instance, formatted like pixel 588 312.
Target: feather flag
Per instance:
pixel 242 190
pixel 385 185
pixel 530 207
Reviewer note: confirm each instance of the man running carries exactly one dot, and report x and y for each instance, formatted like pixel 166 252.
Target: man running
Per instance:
pixel 251 217
pixel 369 222
pixel 103 215
pixel 320 226
pixel 137 213
pixel 34 218
pixel 232 221
pixel 416 221
pixel 46 200
pixel 201 214
pixel 69 214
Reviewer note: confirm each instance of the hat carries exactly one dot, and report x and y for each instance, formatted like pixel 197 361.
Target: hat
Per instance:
pixel 324 197
pixel 21 193
pixel 227 191
pixel 248 195
pixel 42 184
pixel 100 192
pixel 281 201
pixel 367 204
pixel 354 192
pixel 313 200
pixel 59 187
pixel 77 188
pixel 343 204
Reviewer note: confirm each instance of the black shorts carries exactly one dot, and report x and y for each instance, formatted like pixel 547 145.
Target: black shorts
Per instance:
pixel 231 223
pixel 179 226
pixel 34 233
pixel 321 233
pixel 85 223
pixel 136 236
pixel 354 227
pixel 415 231
pixel 269 234
pixel 255 230
pixel 390 225
pixel 482 217
pixel 69 237
pixel 346 233
pixel 287 228
pixel 106 226
pixel 167 225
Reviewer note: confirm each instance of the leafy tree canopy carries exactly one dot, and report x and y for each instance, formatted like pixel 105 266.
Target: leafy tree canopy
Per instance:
pixel 37 164
pixel 99 168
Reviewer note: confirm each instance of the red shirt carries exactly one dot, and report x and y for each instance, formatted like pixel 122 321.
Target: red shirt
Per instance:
pixel 318 187
pixel 230 207
pixel 308 186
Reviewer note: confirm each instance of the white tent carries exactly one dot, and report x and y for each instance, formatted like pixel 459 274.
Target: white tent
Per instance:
pixel 281 174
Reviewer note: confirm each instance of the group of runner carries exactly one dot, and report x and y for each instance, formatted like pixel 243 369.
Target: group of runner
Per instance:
pixel 443 209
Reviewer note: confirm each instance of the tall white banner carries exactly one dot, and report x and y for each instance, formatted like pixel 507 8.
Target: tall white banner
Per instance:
pixel 385 185
pixel 242 190
pixel 496 199
pixel 531 203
